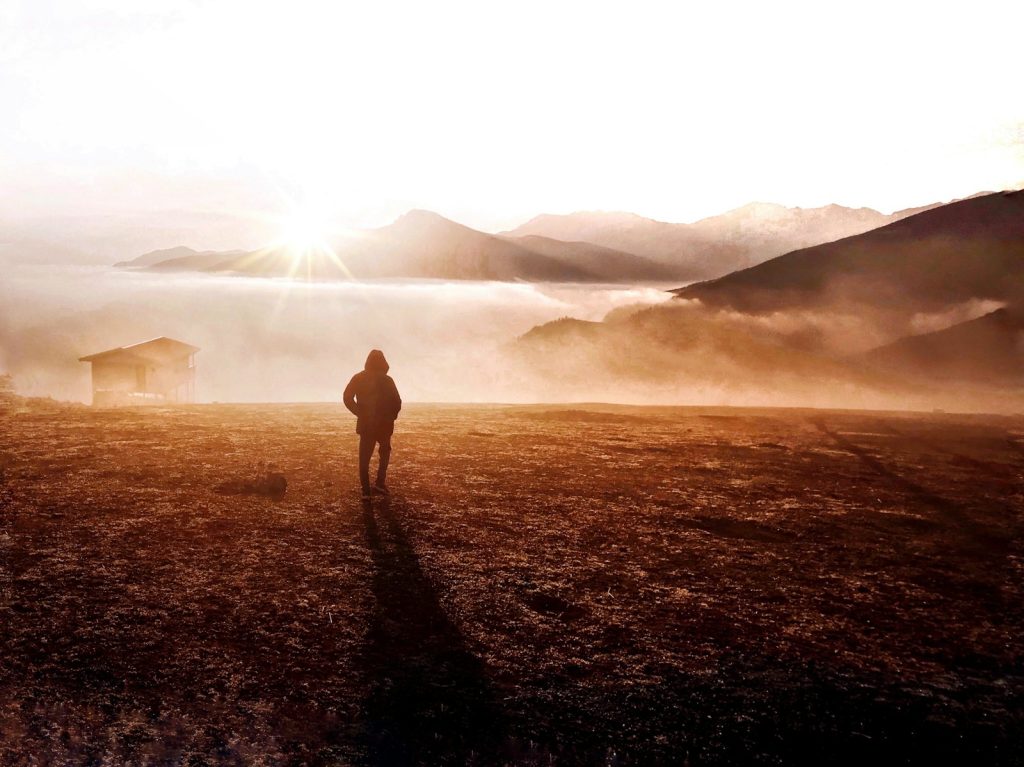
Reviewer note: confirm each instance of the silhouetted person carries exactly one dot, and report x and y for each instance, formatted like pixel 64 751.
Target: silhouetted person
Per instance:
pixel 373 397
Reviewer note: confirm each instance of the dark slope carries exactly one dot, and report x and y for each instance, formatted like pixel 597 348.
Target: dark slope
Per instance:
pixel 988 349
pixel 965 250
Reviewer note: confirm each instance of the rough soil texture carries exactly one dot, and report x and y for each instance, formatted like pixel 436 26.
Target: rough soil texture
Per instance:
pixel 601 585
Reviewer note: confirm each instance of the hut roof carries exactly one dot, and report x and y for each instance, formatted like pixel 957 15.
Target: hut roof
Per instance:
pixel 162 349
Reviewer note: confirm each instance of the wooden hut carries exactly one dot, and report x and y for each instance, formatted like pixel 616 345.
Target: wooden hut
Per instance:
pixel 153 372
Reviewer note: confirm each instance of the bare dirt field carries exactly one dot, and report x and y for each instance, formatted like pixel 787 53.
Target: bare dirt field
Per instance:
pixel 599 585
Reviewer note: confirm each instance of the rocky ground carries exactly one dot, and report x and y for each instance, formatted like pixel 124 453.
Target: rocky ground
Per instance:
pixel 601 585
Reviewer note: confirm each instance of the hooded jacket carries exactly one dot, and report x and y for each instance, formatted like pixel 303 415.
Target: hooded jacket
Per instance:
pixel 373 398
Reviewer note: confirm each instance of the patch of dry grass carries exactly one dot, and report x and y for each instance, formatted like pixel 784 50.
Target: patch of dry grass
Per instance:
pixel 548 584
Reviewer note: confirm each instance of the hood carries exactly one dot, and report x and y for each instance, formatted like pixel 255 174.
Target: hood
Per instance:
pixel 375 362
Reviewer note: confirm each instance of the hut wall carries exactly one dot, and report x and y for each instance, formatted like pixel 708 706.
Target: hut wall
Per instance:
pixel 121 383
pixel 114 376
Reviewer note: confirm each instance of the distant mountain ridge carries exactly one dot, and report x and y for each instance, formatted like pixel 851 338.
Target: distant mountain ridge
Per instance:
pixel 180 256
pixel 156 256
pixel 970 249
pixel 422 244
pixel 789 329
pixel 587 247
pixel 580 247
pixel 716 245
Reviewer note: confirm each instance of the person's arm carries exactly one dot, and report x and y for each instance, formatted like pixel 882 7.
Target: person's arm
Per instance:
pixel 396 399
pixel 349 397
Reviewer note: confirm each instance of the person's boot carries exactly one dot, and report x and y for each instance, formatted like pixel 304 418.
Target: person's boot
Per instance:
pixel 367 492
pixel 379 487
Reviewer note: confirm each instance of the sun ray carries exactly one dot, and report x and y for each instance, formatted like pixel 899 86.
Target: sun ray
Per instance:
pixel 304 239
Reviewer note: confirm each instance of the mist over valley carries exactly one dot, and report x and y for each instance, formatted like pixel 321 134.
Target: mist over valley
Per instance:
pixel 521 317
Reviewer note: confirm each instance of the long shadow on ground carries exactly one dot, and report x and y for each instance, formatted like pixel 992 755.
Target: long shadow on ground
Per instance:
pixel 429 701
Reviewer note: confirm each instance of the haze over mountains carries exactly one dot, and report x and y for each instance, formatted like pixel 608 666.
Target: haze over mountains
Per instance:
pixel 717 245
pixel 678 352
pixel 967 250
pixel 922 311
pixel 989 349
pixel 879 317
pixel 583 247
pixel 421 244
pixel 102 238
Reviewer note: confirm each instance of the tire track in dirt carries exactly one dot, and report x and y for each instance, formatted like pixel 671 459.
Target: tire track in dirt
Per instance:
pixel 430 701
pixel 984 540
pixel 1000 470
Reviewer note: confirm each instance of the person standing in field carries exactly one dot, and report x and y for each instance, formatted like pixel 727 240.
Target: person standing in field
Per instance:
pixel 373 398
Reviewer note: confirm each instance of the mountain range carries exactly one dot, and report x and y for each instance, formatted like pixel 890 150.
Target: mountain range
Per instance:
pixel 966 250
pixel 421 244
pixel 787 327
pixel 579 247
pixel 847 309
pixel 717 245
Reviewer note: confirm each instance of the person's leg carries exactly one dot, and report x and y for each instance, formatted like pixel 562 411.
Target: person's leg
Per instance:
pixel 366 445
pixel 384 456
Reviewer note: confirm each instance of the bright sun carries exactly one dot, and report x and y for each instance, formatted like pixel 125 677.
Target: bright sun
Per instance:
pixel 304 237
pixel 302 232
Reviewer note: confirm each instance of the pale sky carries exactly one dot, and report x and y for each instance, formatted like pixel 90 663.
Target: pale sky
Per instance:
pixel 490 113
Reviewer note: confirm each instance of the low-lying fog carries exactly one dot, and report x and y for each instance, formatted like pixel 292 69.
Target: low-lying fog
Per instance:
pixel 275 340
